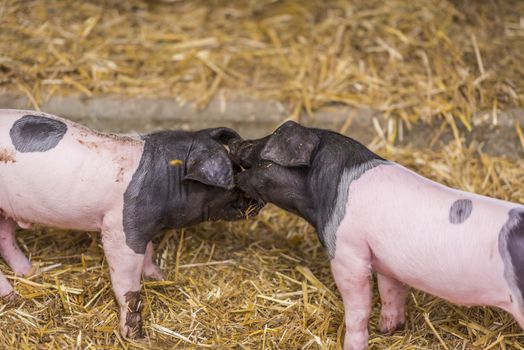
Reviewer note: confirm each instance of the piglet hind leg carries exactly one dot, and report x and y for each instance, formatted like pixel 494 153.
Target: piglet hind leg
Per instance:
pixel 125 268
pixel 393 295
pixel 10 250
pixel 152 270
pixel 354 283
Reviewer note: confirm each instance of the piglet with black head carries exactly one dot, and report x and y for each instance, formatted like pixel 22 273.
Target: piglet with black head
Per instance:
pixel 58 173
pixel 375 215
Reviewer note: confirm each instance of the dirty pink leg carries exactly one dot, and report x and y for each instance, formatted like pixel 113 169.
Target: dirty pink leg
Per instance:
pixel 125 267
pixel 353 281
pixel 9 249
pixel 393 298
pixel 152 270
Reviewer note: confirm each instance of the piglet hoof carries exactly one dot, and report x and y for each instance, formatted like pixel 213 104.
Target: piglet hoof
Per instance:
pixel 154 273
pixel 132 328
pixel 31 272
pixel 389 324
pixel 23 268
pixel 12 300
pixel 356 341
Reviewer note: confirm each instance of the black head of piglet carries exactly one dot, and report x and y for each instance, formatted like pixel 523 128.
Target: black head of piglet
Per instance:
pixel 297 168
pixel 276 167
pixel 183 178
pixel 210 178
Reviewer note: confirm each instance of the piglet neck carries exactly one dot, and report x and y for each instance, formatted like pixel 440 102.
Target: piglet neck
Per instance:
pixel 151 190
pixel 310 216
pixel 338 162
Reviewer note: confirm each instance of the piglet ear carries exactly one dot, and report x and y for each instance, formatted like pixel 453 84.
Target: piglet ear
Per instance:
pixel 291 145
pixel 210 167
pixel 224 135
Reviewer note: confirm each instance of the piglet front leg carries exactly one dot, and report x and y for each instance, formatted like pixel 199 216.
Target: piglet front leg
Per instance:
pixel 9 249
pixel 125 267
pixel 15 259
pixel 352 276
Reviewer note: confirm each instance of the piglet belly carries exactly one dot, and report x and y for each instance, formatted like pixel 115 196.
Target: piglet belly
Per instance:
pixel 448 272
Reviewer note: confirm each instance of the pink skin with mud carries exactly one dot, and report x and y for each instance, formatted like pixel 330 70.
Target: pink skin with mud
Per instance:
pixel 373 215
pixel 58 173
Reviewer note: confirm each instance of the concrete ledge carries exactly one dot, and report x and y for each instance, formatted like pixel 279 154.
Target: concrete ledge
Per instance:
pixel 255 118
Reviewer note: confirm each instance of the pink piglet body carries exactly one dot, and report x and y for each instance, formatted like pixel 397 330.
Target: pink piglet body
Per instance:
pixel 403 219
pixel 397 224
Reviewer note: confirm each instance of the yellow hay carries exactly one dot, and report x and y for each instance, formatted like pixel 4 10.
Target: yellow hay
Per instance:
pixel 263 283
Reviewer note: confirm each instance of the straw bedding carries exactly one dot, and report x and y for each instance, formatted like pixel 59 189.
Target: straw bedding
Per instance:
pixel 409 59
pixel 262 283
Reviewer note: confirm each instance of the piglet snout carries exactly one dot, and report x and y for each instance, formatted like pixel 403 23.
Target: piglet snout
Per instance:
pixel 243 153
pixel 247 206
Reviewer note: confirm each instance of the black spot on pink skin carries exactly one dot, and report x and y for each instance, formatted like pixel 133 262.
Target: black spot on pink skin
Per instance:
pixel 460 211
pixel 33 133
